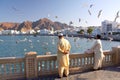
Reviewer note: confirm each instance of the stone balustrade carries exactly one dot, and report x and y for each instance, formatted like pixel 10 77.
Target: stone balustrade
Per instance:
pixel 32 66
pixel 12 68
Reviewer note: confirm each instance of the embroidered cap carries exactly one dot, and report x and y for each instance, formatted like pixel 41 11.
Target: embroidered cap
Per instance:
pixel 60 34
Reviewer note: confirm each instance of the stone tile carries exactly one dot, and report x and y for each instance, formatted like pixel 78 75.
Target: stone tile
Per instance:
pixel 109 73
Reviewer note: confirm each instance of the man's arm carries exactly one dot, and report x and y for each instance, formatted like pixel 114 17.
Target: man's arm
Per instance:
pixel 68 50
pixel 59 48
pixel 94 46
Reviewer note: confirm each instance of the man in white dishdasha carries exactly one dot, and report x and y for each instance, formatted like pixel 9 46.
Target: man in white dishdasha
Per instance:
pixel 98 53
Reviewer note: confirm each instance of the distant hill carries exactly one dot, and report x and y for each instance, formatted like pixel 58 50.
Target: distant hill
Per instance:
pixel 8 26
pixel 25 26
pixel 28 25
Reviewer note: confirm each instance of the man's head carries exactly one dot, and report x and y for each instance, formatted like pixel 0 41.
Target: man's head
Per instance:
pixel 98 36
pixel 60 35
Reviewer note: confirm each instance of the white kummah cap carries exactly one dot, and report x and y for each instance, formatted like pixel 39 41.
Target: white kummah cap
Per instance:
pixel 60 34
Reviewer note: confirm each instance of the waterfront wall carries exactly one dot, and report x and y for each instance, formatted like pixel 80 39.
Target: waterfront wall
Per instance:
pixel 33 65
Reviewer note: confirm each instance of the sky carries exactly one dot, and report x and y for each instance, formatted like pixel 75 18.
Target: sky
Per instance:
pixel 65 10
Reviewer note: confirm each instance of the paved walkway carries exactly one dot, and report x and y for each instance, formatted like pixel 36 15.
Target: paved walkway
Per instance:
pixel 109 73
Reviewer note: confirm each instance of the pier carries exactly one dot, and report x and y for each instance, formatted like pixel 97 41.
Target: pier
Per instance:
pixel 35 67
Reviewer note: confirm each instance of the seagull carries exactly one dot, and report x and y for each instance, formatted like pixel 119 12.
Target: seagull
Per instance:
pixel 117 16
pixel 91 5
pixel 1 40
pixel 99 13
pixel 75 39
pixel 38 40
pixel 31 46
pixel 48 15
pixel 15 9
pixel 86 22
pixel 70 22
pixel 56 16
pixel 89 12
pixel 79 20
pixel 25 49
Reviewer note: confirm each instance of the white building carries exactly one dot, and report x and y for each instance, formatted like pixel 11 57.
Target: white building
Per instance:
pixel 32 32
pixel 38 31
pixel 108 26
pixel 0 32
pixel 10 32
pixel 69 31
pixel 45 31
pixel 96 30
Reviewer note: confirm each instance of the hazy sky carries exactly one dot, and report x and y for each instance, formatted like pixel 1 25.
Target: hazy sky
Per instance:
pixel 65 10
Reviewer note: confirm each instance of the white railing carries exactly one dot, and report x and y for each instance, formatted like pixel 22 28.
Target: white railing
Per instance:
pixel 12 68
pixel 47 64
pixel 33 66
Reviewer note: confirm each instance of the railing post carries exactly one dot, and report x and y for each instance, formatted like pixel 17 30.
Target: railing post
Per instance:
pixel 116 55
pixel 31 65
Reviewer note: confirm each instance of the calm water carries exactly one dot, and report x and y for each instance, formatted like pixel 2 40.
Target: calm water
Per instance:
pixel 17 46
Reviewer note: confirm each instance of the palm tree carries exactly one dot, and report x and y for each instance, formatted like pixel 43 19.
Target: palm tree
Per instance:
pixel 90 30
pixel 82 31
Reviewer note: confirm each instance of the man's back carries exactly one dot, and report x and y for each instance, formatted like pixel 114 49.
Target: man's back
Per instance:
pixel 64 44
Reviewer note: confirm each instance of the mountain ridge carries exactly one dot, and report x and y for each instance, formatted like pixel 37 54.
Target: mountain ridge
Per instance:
pixel 43 23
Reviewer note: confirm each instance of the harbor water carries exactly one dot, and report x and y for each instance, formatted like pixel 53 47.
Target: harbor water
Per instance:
pixel 17 46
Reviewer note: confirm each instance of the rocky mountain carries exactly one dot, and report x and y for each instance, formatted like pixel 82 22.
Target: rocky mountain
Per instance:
pixel 43 24
pixel 25 26
pixel 8 26
pixel 28 25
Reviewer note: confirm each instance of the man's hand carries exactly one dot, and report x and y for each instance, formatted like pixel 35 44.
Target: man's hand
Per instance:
pixel 66 52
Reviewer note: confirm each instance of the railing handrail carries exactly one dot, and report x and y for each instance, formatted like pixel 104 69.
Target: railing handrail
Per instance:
pixel 11 60
pixel 41 56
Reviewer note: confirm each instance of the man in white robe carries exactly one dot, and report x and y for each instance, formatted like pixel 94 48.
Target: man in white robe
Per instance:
pixel 63 49
pixel 98 53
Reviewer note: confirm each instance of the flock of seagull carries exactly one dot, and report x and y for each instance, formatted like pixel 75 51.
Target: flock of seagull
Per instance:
pixel 43 44
pixel 90 13
pixel 85 5
pixel 70 23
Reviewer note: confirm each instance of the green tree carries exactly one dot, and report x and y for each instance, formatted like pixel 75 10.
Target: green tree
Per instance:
pixel 81 31
pixel 90 30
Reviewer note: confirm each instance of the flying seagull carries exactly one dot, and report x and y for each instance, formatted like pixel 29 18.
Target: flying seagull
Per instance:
pixel 86 22
pixel 117 16
pixel 56 16
pixel 99 13
pixel 91 5
pixel 70 22
pixel 48 15
pixel 15 9
pixel 89 12
pixel 79 20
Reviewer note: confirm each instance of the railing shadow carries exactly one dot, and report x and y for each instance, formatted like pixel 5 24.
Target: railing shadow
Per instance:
pixel 113 68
